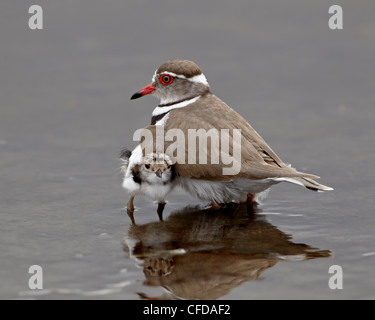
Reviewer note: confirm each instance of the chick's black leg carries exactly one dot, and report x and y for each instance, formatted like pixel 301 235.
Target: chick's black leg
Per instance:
pixel 160 210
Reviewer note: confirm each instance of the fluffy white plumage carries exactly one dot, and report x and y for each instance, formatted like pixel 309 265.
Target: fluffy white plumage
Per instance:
pixel 150 176
pixel 235 190
pixel 225 192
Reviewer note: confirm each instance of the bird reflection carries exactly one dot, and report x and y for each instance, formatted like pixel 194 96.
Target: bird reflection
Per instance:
pixel 200 254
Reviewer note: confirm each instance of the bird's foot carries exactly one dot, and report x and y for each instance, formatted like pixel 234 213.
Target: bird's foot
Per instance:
pixel 214 206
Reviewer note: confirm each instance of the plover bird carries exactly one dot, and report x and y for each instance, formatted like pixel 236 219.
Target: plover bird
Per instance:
pixel 186 102
pixel 153 178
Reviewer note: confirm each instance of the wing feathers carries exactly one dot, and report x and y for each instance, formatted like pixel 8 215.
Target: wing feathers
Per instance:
pixel 258 160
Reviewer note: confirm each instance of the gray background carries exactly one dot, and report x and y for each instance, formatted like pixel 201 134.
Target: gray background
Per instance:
pixel 65 113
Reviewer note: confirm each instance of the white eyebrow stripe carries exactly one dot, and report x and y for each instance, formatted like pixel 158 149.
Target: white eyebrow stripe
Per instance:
pixel 200 78
pixel 154 76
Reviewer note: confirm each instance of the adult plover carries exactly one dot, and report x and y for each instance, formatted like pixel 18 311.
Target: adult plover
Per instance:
pixel 153 178
pixel 186 102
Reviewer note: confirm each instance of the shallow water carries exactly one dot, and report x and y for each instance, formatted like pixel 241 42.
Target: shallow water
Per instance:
pixel 65 114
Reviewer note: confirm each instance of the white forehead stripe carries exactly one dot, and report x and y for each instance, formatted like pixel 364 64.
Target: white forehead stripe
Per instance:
pixel 154 77
pixel 200 78
pixel 160 110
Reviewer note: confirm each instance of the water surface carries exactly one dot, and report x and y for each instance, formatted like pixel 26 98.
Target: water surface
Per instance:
pixel 65 113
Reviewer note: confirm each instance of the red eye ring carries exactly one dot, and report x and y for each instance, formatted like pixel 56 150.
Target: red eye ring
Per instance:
pixel 166 79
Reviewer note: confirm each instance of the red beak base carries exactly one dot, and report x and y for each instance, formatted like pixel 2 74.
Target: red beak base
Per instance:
pixel 145 91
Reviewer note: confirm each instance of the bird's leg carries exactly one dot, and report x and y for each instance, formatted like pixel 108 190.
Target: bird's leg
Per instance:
pixel 250 199
pixel 130 209
pixel 214 206
pixel 160 210
pixel 250 204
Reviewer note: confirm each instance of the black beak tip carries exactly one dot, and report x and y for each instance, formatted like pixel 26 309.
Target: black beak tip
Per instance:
pixel 136 96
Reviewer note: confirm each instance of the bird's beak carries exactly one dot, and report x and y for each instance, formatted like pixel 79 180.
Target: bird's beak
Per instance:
pixel 159 173
pixel 145 91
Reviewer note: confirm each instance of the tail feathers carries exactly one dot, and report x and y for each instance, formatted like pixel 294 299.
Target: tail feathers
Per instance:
pixel 309 184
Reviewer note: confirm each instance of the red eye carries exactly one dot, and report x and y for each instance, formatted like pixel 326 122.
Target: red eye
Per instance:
pixel 166 79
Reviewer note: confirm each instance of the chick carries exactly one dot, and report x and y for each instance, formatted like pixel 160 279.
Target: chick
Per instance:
pixel 152 176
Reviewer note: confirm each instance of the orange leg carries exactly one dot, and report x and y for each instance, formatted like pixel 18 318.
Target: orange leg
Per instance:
pixel 250 199
pixel 214 206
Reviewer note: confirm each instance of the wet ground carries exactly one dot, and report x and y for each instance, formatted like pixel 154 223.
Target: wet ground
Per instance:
pixel 65 113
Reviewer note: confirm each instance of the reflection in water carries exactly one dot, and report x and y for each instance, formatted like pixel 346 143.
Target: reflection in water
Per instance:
pixel 197 254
